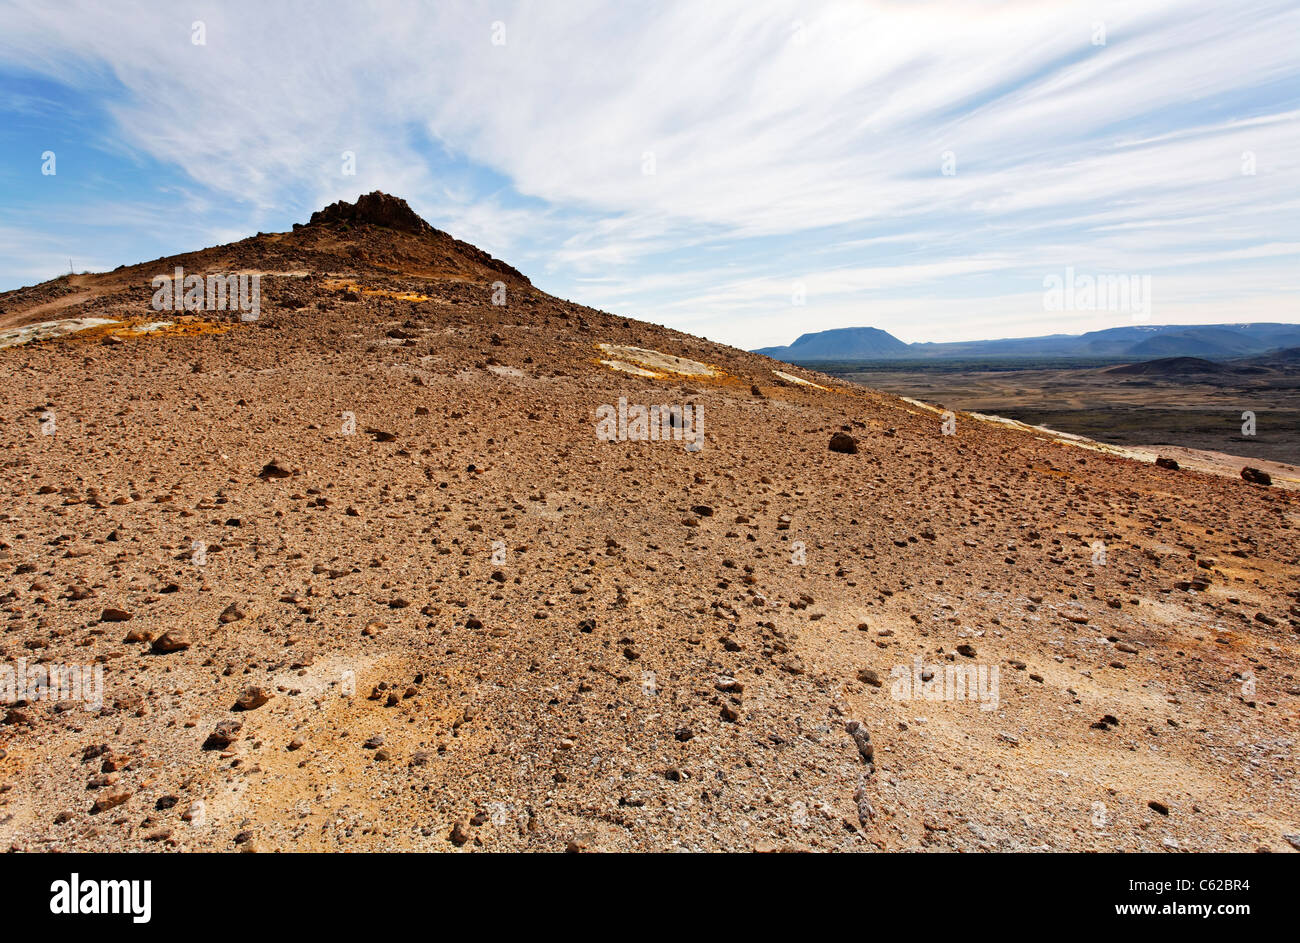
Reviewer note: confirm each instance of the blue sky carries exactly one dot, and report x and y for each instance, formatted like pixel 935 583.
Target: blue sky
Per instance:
pixel 798 150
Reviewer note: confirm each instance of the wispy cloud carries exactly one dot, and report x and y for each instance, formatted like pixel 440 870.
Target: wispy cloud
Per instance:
pixel 788 142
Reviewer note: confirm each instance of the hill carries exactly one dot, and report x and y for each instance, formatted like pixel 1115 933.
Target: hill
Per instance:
pixel 848 343
pixel 1169 366
pixel 402 562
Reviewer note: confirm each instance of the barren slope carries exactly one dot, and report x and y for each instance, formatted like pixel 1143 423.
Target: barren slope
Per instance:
pixel 556 641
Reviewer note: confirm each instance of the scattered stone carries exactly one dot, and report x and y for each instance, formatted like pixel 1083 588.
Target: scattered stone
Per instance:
pixel 580 844
pixel 274 469
pixel 459 833
pixel 1256 476
pixel 223 735
pixel 844 443
pixel 870 676
pixel 252 698
pixel 862 740
pixel 861 799
pixel 171 641
pixel 110 799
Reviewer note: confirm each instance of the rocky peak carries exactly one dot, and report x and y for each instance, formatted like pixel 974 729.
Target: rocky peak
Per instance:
pixel 377 209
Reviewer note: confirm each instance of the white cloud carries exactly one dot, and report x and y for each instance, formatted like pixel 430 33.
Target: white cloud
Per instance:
pixel 785 136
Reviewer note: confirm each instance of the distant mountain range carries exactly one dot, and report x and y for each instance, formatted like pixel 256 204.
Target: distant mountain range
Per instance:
pixel 1207 341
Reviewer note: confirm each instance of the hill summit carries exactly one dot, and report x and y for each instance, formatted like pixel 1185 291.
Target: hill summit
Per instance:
pixel 376 209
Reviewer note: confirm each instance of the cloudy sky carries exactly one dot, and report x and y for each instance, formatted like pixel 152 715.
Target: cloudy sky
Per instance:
pixel 918 167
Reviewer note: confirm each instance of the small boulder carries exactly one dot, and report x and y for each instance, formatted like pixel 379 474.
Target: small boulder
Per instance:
pixel 274 469
pixel 109 800
pixel 1256 476
pixel 870 676
pixel 252 698
pixel 844 443
pixel 172 641
pixel 223 735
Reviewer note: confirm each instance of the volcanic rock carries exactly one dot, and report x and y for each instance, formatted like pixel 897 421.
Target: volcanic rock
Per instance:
pixel 1256 476
pixel 844 443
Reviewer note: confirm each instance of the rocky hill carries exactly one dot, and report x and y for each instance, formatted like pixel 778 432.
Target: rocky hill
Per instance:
pixel 402 563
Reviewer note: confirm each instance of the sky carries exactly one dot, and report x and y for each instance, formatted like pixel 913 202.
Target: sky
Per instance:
pixel 746 171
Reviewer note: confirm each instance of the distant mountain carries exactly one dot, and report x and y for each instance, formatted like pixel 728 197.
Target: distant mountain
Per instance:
pixel 845 343
pixel 1287 359
pixel 1140 342
pixel 1200 342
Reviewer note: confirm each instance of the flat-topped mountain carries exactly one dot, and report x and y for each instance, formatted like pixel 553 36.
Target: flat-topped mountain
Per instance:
pixel 845 343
